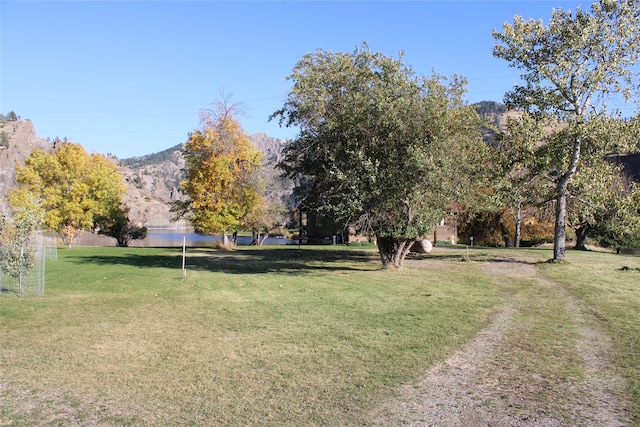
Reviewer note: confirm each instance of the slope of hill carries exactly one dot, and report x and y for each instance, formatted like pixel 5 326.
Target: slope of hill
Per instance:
pixel 154 181
pixel 21 139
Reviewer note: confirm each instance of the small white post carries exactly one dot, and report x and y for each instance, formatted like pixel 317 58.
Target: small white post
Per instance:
pixel 21 271
pixel 184 255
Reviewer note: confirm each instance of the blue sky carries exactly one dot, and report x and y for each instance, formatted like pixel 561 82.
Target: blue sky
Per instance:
pixel 129 77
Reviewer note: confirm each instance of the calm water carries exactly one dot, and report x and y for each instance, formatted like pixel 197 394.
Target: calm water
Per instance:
pixel 172 237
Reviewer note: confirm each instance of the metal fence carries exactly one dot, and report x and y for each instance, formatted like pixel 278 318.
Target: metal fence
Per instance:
pixel 29 281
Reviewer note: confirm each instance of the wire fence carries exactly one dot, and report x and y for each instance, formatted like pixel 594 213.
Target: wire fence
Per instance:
pixel 28 280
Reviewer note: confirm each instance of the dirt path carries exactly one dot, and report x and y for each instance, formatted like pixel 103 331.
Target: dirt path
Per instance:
pixel 497 380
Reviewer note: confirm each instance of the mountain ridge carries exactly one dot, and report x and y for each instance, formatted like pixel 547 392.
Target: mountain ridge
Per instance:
pixel 153 180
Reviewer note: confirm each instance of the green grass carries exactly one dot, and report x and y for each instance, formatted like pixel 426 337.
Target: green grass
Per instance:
pixel 257 336
pixel 270 336
pixel 609 285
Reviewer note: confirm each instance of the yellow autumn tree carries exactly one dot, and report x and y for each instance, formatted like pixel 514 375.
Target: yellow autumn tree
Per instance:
pixel 221 182
pixel 71 187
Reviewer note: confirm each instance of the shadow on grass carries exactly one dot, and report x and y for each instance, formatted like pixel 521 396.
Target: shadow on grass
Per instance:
pixel 476 255
pixel 241 261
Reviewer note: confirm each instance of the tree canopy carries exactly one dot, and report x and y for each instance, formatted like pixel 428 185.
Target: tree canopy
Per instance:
pixel 117 224
pixel 221 182
pixel 71 187
pixel 571 67
pixel 385 151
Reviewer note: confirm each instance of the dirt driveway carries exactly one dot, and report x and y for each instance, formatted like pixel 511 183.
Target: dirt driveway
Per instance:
pixel 498 380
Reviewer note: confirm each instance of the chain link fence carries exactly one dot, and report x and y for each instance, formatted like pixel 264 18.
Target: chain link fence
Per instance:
pixel 28 279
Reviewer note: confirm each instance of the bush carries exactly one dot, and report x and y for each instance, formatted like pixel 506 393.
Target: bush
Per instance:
pixel 4 139
pixel 18 245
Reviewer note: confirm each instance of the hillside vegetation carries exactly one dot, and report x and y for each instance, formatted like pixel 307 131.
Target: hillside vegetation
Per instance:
pixel 153 180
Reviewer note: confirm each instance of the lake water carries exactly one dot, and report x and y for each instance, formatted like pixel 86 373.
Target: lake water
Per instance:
pixel 172 237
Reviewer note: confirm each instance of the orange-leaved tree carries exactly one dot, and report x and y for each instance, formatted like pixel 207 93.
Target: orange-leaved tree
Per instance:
pixel 71 187
pixel 220 168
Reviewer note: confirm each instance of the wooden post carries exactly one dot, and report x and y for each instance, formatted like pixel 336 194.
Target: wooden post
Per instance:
pixel 184 256
pixel 21 271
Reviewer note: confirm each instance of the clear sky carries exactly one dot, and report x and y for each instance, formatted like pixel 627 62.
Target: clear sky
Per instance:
pixel 129 77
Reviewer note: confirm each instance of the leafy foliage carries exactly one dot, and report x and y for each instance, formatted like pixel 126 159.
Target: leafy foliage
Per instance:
pixel 497 228
pixel 4 139
pixel 221 182
pixel 70 186
pixel 518 187
pixel 18 246
pixel 619 226
pixel 118 225
pixel 384 151
pixel 570 67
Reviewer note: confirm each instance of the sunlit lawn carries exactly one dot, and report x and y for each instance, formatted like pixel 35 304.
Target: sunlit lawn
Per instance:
pixel 610 286
pixel 263 336
pixel 257 336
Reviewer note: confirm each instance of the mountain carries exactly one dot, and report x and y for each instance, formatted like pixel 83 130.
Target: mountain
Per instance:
pixel 18 139
pixel 154 181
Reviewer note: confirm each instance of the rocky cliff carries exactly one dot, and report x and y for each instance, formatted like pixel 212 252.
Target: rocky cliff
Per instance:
pixel 153 180
pixel 20 139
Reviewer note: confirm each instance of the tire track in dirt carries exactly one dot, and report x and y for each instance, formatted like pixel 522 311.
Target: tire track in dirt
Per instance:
pixel 490 383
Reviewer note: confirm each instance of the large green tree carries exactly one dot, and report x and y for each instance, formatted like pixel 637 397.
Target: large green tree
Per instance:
pixel 570 67
pixel 70 186
pixel 384 150
pixel 619 226
pixel 518 181
pixel 117 224
pixel 221 181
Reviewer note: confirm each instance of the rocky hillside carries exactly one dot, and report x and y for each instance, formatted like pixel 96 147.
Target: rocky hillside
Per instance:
pixel 154 181
pixel 19 139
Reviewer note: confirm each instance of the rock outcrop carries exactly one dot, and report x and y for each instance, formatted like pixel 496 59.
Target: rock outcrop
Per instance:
pixel 21 139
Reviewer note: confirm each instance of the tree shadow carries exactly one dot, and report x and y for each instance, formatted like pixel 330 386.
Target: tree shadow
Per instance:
pixel 242 261
pixel 475 255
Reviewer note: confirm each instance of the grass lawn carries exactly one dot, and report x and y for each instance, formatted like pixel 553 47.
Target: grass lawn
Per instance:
pixel 262 336
pixel 259 336
pixel 610 286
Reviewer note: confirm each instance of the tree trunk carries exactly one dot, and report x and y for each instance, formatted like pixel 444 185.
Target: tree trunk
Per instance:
pixel 518 221
pixel 225 240
pixel 581 236
pixel 393 251
pixel 506 236
pixel 560 229
pixel 264 237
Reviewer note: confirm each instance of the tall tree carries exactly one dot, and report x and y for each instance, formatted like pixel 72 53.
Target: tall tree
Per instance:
pixel 117 224
pixel 220 166
pixel 619 226
pixel 518 178
pixel 71 186
pixel 570 67
pixel 385 150
pixel 593 195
